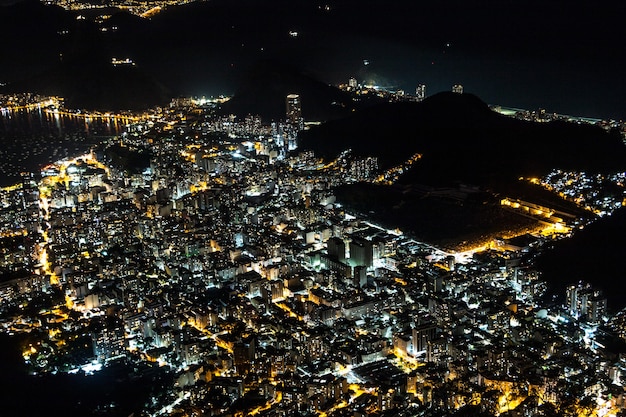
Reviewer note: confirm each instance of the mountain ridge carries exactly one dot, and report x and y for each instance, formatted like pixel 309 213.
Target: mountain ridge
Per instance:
pixel 264 89
pixel 461 139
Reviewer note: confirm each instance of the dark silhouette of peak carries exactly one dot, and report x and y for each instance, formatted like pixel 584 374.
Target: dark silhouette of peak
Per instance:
pixel 442 110
pixel 264 89
pixel 27 18
pixel 98 86
pixel 461 142
pixel 77 60
pixel 61 55
pixel 35 40
pixel 461 108
pixel 404 128
pixel 461 139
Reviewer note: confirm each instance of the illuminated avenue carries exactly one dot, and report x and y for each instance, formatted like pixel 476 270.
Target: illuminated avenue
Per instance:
pixel 227 263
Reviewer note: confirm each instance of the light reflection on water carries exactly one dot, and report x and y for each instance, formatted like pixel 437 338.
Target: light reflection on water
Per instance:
pixel 32 138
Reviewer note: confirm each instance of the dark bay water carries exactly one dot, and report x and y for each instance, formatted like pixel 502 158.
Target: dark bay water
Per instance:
pixel 30 139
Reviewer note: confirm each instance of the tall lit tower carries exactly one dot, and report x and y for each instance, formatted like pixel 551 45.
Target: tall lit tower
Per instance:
pixel 457 88
pixel 295 122
pixel 294 111
pixel 420 92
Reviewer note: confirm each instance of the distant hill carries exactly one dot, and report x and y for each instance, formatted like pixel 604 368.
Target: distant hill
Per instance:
pixel 472 157
pixel 264 90
pixel 36 40
pixel 72 59
pixel 593 255
pixel 101 87
pixel 462 140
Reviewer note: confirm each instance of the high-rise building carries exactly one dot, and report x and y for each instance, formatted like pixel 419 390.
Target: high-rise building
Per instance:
pixel 457 88
pixel 337 248
pixel 597 307
pixel 423 333
pixel 582 301
pixel 360 276
pixel 361 252
pixel 352 83
pixel 108 340
pixel 243 354
pixel 420 92
pixel 294 111
pixel 571 298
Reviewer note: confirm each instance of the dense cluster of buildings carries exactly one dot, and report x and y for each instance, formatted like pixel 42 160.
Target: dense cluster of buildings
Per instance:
pixel 21 101
pixel 598 193
pixel 227 263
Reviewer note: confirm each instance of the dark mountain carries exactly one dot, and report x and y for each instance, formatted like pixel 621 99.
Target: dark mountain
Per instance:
pixel 34 34
pixel 462 140
pixel 100 87
pixel 81 70
pixel 471 157
pixel 265 88
pixel 594 255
